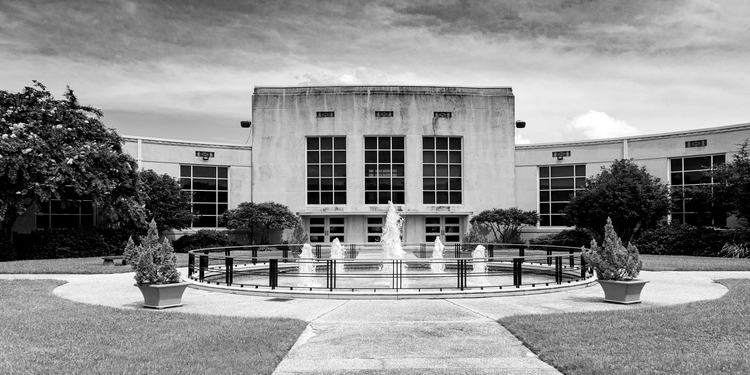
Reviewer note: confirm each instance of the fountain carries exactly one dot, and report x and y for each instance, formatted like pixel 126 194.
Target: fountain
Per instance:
pixel 337 253
pixel 391 238
pixel 438 265
pixel 479 256
pixel 307 266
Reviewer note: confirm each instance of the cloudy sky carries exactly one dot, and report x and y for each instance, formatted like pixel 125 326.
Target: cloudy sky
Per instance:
pixel 580 69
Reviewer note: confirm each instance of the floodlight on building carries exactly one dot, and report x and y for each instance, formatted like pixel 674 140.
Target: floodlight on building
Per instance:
pixel 245 124
pixel 520 124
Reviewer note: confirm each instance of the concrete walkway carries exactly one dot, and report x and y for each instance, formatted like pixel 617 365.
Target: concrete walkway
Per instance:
pixel 402 336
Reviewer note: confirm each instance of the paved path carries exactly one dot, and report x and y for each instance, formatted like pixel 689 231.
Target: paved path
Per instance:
pixel 404 336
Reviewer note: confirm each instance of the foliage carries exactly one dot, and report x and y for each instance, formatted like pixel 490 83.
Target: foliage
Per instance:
pixel 299 236
pixel 699 199
pixel 625 192
pixel 266 216
pixel 164 201
pixel 733 250
pixel 612 260
pixel 505 224
pixel 569 237
pixel 684 239
pixel 733 183
pixel 202 239
pixel 472 237
pixel 153 262
pixel 70 243
pixel 49 147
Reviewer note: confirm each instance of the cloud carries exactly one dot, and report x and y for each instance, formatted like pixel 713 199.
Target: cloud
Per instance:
pixel 597 125
pixel 360 76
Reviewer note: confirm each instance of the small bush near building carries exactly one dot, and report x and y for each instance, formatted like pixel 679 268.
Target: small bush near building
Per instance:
pixel 568 237
pixel 685 239
pixel 70 243
pixel 204 238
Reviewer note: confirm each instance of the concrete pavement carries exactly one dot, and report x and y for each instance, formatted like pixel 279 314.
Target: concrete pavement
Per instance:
pixel 436 336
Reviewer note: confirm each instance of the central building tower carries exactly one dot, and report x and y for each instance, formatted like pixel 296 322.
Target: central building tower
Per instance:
pixel 337 154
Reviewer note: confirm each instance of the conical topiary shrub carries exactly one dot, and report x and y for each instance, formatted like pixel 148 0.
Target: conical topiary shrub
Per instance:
pixel 154 263
pixel 612 260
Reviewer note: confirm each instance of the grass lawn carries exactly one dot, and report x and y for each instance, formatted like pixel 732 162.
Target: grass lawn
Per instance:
pixel 91 265
pixel 709 337
pixel 45 334
pixel 690 263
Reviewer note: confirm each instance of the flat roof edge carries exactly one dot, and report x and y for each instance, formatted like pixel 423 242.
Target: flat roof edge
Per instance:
pixel 382 89
pixel 178 142
pixel 638 138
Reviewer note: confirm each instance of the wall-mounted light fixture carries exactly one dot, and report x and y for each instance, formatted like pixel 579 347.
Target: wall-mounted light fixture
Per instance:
pixel 520 124
pixel 205 155
pixel 560 154
pixel 245 124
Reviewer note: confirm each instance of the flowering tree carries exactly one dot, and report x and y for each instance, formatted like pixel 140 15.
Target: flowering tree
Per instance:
pixel 49 146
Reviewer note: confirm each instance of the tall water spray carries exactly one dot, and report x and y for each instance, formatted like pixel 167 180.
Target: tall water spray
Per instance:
pixel 307 266
pixel 337 252
pixel 437 266
pixel 391 237
pixel 480 263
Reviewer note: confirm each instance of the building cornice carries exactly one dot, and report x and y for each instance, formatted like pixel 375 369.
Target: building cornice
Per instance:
pixel 174 142
pixel 639 138
pixel 382 89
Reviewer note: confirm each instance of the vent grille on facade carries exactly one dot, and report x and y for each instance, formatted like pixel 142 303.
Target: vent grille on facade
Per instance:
pixel 383 113
pixel 443 114
pixel 560 154
pixel 700 143
pixel 324 114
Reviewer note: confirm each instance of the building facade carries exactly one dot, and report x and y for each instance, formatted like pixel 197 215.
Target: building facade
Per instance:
pixel 336 155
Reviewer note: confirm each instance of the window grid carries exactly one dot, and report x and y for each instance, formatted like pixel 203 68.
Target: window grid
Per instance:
pixel 557 184
pixel 442 170
pixel 384 170
pixel 69 214
pixel 690 171
pixel 209 192
pixel 326 170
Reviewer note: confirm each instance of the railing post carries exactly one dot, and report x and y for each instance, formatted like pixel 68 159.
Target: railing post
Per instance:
pixel 517 272
pixel 461 273
pixel 491 252
pixel 558 270
pixel 254 252
pixel 273 273
pixel 572 259
pixel 191 264
pixel 583 267
pixel 521 250
pixel 549 257
pixel 396 274
pixel 227 252
pixel 457 249
pixel 285 253
pixel 202 265
pixel 352 251
pixel 229 270
pixel 331 274
pixel 318 249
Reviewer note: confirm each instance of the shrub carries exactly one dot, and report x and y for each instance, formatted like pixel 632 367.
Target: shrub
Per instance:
pixel 612 260
pixel 153 262
pixel 204 238
pixel 70 243
pixel 506 224
pixel 685 239
pixel 568 237
pixel 733 250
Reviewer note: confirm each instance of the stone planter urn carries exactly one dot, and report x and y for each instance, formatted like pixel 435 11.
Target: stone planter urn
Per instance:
pixel 162 296
pixel 623 291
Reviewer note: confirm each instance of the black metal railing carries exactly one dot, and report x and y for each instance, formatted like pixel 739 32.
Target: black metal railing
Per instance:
pixel 279 266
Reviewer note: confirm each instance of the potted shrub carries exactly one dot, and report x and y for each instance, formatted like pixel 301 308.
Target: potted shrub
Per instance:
pixel 616 267
pixel 155 269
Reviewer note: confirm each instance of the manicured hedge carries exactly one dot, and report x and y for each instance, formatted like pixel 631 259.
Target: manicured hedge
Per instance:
pixel 683 239
pixel 204 238
pixel 70 243
pixel 568 237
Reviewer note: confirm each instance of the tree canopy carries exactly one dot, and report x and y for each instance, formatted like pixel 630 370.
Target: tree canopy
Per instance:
pixel 505 224
pixel 627 193
pixel 266 216
pixel 732 188
pixel 164 201
pixel 50 147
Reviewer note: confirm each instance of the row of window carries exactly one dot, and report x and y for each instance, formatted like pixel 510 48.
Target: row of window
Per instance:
pixel 385 180
pixel 385 170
